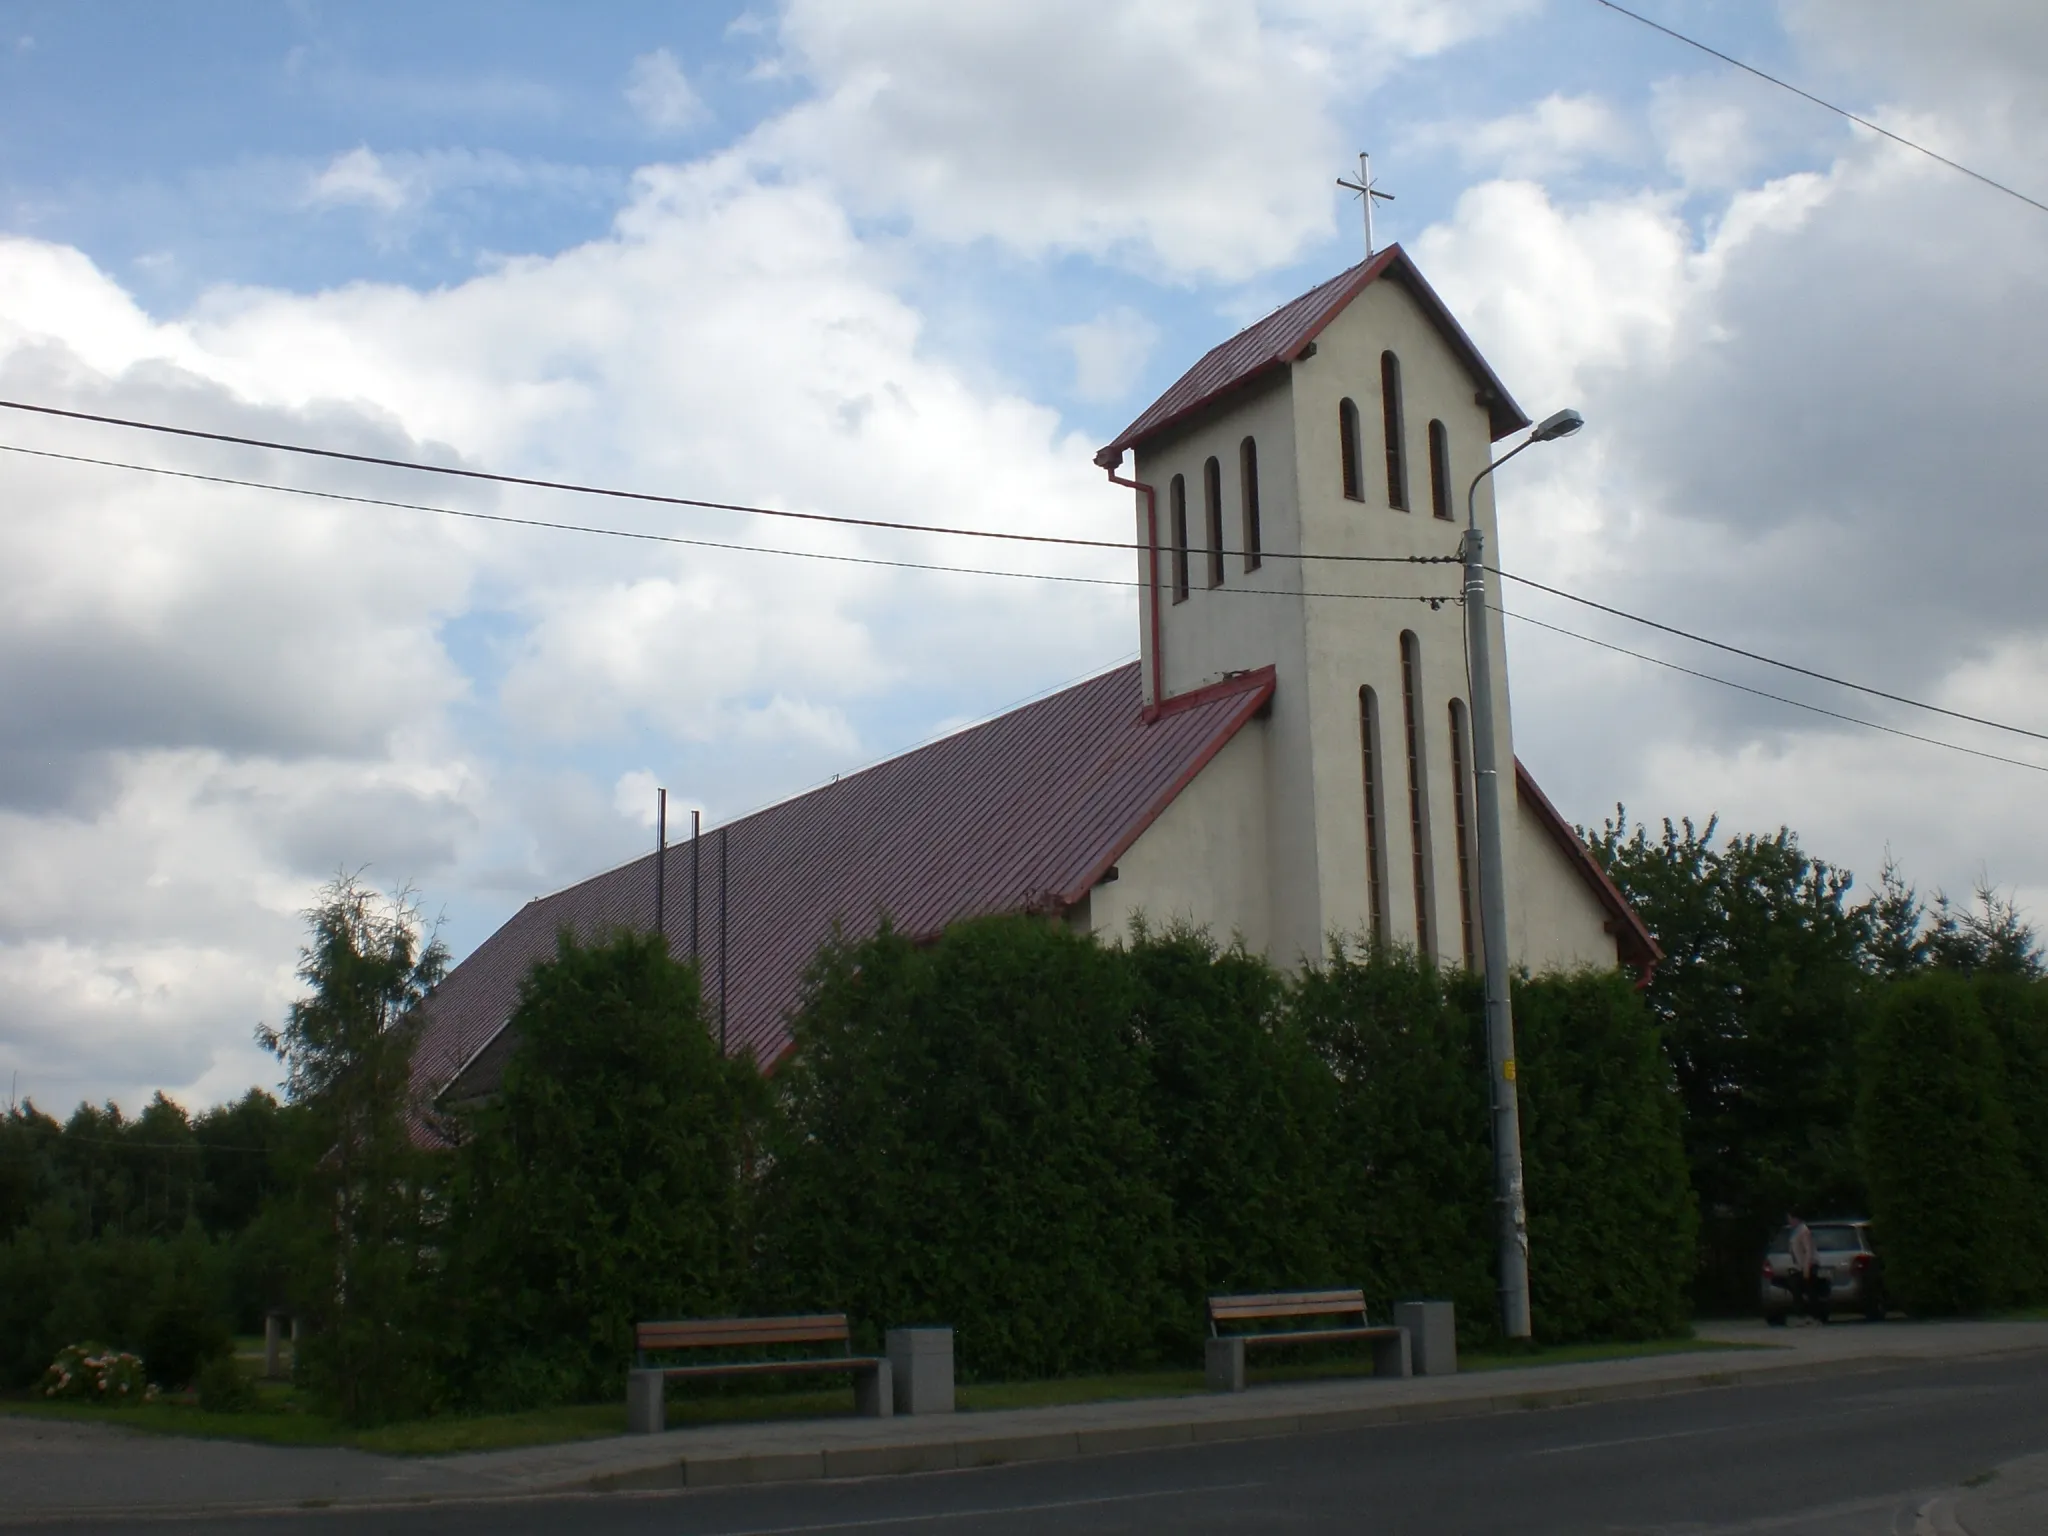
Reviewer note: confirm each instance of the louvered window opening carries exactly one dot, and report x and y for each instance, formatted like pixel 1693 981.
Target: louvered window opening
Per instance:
pixel 1212 518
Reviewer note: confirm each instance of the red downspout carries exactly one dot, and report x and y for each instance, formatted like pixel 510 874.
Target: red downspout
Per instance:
pixel 1151 578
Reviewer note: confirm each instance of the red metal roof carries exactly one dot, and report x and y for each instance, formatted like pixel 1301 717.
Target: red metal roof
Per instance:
pixel 1025 812
pixel 1280 338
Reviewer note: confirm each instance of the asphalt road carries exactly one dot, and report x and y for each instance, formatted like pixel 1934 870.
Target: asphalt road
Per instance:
pixel 1843 1456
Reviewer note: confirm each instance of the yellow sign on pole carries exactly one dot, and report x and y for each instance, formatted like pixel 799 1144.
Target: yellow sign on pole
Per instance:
pixel 1507 1069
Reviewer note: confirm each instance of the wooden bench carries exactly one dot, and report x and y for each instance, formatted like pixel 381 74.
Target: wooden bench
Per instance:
pixel 645 1406
pixel 1225 1351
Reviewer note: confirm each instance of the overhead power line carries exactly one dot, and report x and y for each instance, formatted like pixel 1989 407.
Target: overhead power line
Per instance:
pixel 675 538
pixel 1771 661
pixel 870 560
pixel 1862 122
pixel 1778 698
pixel 614 493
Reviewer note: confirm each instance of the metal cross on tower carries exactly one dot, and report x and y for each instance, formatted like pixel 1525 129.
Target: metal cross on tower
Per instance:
pixel 1367 191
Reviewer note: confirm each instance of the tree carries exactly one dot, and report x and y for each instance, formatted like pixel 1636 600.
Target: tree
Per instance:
pixel 607 1181
pixel 364 1168
pixel 1759 998
pixel 1989 936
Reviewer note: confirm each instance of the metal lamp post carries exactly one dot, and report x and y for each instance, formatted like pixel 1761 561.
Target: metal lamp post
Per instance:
pixel 1493 906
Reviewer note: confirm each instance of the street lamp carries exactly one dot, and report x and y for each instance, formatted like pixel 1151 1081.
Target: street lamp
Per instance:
pixel 1493 906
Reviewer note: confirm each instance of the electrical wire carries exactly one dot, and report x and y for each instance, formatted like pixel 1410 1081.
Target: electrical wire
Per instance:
pixel 673 538
pixel 579 489
pixel 871 560
pixel 1771 661
pixel 1778 698
pixel 1862 122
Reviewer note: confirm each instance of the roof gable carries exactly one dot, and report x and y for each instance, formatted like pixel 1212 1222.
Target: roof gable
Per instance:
pixel 1022 813
pixel 1634 942
pixel 1281 337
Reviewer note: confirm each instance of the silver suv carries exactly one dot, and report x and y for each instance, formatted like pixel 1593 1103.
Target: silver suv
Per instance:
pixel 1847 1271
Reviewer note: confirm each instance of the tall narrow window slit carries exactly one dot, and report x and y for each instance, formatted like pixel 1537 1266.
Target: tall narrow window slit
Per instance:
pixel 1393 423
pixel 1461 807
pixel 1440 470
pixel 1347 447
pixel 1418 792
pixel 1248 494
pixel 1177 502
pixel 1212 518
pixel 1375 811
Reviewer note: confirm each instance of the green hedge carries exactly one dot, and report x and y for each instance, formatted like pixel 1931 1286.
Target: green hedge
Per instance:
pixel 1957 1218
pixel 1062 1148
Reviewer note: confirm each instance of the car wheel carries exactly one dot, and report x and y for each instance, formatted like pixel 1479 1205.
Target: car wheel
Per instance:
pixel 1775 1319
pixel 1873 1310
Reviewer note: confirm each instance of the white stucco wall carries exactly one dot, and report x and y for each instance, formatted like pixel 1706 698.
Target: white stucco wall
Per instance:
pixel 1205 860
pixel 1562 926
pixel 1329 627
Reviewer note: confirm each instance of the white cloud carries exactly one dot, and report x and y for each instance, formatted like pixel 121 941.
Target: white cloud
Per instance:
pixel 216 697
pixel 1196 140
pixel 1556 135
pixel 358 177
pixel 661 94
pixel 1110 352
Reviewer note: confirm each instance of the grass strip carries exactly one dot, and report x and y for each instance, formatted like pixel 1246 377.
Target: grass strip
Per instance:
pixel 280 1418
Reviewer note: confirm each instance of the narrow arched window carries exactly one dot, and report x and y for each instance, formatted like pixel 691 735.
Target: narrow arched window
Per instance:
pixel 1397 440
pixel 1347 446
pixel 1440 470
pixel 1418 788
pixel 1212 518
pixel 1248 493
pixel 1177 501
pixel 1461 807
pixel 1375 816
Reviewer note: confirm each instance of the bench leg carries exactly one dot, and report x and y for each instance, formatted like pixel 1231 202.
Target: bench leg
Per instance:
pixel 874 1391
pixel 1223 1364
pixel 1391 1356
pixel 646 1412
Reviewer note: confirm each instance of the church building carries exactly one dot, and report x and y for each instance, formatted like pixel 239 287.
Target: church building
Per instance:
pixel 1288 760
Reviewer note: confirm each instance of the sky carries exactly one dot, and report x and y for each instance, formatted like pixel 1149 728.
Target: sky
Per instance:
pixel 915 260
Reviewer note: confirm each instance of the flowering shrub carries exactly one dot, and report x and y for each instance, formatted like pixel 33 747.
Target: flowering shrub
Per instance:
pixel 95 1374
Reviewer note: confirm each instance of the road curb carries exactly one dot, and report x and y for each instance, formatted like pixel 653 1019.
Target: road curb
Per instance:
pixel 954 1444
pixel 959 1448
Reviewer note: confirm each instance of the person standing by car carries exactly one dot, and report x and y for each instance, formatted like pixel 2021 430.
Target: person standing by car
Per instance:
pixel 1805 1264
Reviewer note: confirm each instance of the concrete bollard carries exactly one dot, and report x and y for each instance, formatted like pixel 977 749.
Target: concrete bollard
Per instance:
pixel 646 1404
pixel 1223 1364
pixel 921 1360
pixel 273 1345
pixel 1433 1333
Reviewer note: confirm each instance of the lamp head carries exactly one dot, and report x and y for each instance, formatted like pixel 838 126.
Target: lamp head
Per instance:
pixel 1557 424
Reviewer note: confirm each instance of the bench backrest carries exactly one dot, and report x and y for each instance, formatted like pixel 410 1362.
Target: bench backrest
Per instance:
pixel 1251 1309
pixel 735 1332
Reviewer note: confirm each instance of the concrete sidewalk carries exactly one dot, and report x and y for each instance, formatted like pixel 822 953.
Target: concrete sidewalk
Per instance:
pixel 53 1470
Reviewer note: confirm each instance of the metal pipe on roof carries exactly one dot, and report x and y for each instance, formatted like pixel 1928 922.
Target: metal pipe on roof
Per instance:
pixel 660 864
pixel 1151 580
pixel 696 830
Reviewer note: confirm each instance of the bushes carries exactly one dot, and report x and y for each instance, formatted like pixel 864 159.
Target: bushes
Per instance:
pixel 1409 1160
pixel 963 1140
pixel 1061 1148
pixel 1612 1225
pixel 1955 1216
pixel 604 1184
